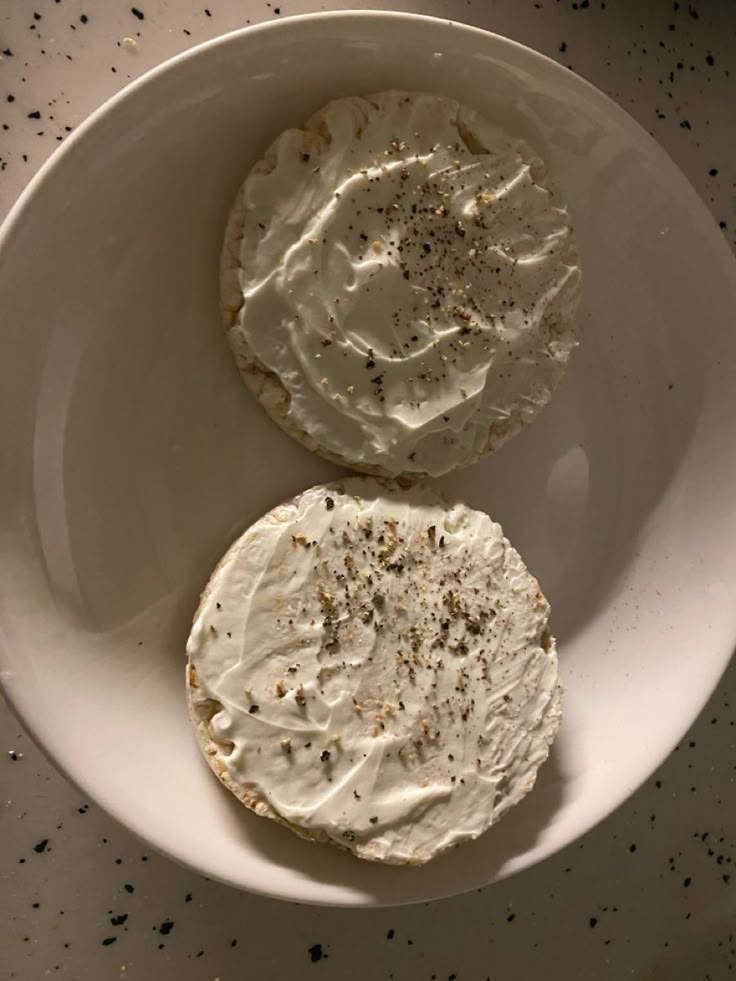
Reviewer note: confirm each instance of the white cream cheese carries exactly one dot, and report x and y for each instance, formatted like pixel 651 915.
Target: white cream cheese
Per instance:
pixel 379 668
pixel 406 273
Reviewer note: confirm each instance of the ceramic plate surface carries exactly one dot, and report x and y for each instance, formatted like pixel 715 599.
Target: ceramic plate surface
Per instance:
pixel 132 454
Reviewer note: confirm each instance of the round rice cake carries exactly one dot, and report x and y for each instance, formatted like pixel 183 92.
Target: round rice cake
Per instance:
pixel 399 281
pixel 371 666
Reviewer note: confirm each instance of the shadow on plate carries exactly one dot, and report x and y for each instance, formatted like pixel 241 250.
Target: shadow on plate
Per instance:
pixel 514 835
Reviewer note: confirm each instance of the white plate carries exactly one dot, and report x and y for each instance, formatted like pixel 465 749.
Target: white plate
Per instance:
pixel 132 453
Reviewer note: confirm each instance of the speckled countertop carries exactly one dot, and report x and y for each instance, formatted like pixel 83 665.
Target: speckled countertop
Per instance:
pixel 649 894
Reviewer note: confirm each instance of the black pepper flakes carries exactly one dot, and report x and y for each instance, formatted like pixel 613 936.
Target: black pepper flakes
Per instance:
pixel 329 503
pixel 325 755
pixel 254 708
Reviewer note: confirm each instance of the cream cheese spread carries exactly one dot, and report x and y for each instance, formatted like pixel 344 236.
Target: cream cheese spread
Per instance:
pixel 404 270
pixel 377 669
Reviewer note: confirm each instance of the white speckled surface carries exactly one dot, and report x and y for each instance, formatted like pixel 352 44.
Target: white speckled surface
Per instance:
pixel 649 894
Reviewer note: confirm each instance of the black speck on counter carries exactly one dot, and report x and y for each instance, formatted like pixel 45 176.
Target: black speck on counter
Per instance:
pixel 119 920
pixel 128 888
pixel 713 171
pixel 391 934
pixel 315 953
pixel 188 898
pixel 7 52
pixel 137 13
pixel 41 846
pixel 563 47
pixel 108 940
pixel 166 927
pixel 34 115
pixel 84 18
pixel 511 917
pixel 686 881
pixel 593 922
